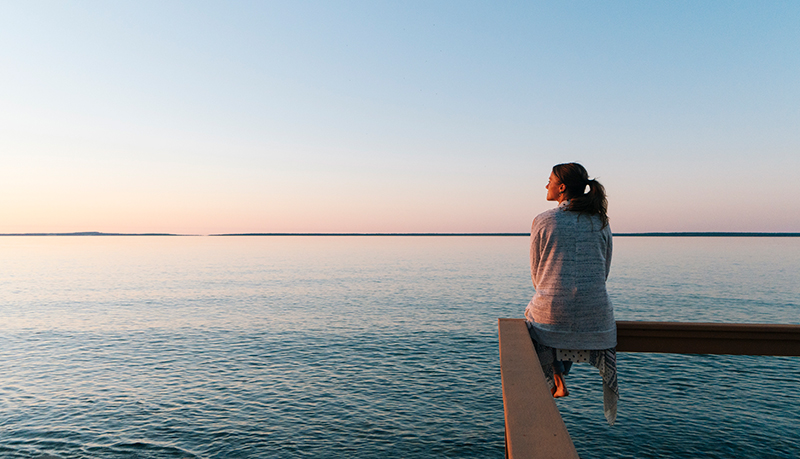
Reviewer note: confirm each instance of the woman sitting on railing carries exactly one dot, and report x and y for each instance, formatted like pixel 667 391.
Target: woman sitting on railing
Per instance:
pixel 570 317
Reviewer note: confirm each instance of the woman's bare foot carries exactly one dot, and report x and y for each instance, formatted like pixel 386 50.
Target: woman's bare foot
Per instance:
pixel 560 390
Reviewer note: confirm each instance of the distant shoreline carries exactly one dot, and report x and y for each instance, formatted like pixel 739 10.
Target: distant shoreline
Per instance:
pixel 707 234
pixel 665 234
pixel 93 233
pixel 651 234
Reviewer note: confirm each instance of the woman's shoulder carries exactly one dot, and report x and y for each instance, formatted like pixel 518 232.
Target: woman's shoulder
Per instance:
pixel 558 219
pixel 547 218
pixel 548 214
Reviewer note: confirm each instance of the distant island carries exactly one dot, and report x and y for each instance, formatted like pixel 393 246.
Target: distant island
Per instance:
pixel 664 234
pixel 90 233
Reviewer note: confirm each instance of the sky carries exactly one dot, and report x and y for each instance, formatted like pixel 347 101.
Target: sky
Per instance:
pixel 204 117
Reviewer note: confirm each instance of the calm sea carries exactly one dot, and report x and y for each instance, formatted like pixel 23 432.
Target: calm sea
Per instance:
pixel 217 347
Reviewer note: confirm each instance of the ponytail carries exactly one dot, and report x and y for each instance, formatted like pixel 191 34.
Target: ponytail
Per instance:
pixel 576 179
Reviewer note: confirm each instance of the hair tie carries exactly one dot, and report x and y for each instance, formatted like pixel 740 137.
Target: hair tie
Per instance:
pixel 589 184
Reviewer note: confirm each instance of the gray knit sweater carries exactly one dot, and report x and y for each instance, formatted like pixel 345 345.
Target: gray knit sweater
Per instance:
pixel 570 261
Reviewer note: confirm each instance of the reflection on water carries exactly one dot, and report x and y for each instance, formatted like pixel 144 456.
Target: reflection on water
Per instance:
pixel 365 347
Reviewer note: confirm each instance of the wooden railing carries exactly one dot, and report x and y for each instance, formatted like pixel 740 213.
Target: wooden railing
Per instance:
pixel 708 338
pixel 534 428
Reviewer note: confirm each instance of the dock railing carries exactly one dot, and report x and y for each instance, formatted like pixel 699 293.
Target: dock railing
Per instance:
pixel 534 428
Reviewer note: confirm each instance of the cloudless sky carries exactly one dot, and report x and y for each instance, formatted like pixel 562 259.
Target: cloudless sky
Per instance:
pixel 338 116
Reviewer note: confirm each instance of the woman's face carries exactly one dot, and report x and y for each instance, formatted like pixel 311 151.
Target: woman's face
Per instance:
pixel 555 189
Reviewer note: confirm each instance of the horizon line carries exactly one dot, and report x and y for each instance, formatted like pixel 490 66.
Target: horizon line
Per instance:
pixel 632 234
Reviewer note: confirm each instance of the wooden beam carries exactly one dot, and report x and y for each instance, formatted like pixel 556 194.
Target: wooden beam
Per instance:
pixel 534 428
pixel 708 338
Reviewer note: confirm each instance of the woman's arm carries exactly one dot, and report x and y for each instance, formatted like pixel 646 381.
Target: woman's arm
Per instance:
pixel 609 249
pixel 535 252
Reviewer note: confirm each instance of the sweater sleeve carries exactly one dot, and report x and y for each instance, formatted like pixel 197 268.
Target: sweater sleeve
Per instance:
pixel 609 250
pixel 535 252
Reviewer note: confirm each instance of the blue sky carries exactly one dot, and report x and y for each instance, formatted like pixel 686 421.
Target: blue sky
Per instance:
pixel 207 117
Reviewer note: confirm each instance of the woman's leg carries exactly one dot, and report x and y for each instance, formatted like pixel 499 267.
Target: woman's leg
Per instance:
pixel 559 370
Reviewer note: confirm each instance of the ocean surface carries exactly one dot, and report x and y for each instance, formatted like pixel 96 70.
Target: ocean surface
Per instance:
pixel 369 347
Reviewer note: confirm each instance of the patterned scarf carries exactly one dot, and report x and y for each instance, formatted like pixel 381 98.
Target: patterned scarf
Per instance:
pixel 604 360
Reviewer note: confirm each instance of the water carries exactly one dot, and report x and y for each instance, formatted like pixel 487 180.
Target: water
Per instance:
pixel 215 347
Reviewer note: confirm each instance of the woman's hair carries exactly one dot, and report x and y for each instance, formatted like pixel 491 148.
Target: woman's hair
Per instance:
pixel 576 179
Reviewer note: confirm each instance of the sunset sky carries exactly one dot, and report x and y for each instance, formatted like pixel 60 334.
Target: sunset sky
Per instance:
pixel 232 116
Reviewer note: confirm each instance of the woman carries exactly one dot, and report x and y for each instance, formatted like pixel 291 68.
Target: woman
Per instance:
pixel 570 318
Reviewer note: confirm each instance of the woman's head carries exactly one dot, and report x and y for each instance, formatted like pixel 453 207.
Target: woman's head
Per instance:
pixel 572 182
pixel 574 178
